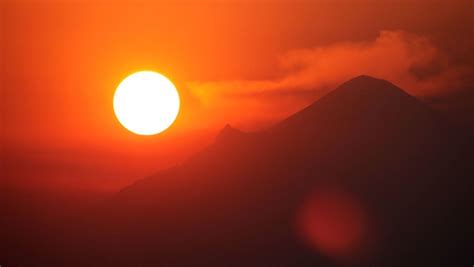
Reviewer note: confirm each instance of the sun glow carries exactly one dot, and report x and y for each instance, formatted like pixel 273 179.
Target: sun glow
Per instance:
pixel 146 103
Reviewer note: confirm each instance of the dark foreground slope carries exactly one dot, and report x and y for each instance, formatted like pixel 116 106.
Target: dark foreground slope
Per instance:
pixel 365 176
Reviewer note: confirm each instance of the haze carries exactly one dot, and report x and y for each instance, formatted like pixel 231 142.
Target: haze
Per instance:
pixel 245 63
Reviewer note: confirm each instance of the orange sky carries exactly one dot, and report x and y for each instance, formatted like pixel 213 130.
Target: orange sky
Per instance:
pixel 245 62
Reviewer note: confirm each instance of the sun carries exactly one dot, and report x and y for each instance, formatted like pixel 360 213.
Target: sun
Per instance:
pixel 146 103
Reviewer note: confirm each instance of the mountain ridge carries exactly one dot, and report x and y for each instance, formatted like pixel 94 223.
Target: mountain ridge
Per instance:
pixel 389 154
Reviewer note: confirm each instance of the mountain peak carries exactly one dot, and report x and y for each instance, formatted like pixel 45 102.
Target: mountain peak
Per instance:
pixel 228 132
pixel 364 77
pixel 362 100
pixel 366 91
pixel 368 85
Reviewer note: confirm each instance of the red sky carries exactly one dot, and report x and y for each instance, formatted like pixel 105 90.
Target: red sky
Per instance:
pixel 248 63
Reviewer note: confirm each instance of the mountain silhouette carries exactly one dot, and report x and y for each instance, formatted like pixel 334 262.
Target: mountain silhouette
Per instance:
pixel 365 176
pixel 366 144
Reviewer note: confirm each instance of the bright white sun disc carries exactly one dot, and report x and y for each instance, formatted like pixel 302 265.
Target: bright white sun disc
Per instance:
pixel 146 103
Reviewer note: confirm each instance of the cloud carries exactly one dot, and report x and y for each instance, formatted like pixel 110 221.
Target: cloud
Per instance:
pixel 410 61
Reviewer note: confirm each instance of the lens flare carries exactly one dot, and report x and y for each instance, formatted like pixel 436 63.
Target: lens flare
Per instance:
pixel 334 223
